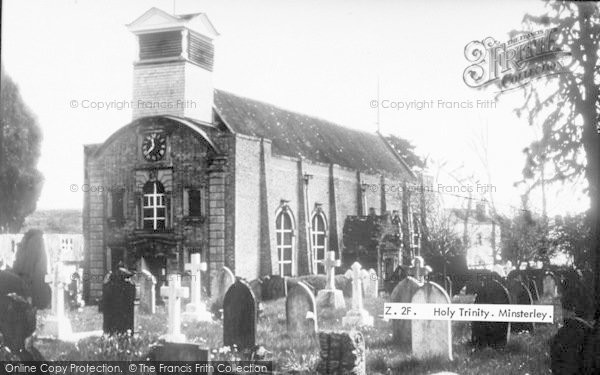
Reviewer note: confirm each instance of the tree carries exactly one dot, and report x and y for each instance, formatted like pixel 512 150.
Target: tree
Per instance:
pixel 521 235
pixel 406 150
pixel 571 235
pixel 567 106
pixel 20 138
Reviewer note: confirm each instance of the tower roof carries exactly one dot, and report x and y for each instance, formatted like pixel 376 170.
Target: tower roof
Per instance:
pixel 158 20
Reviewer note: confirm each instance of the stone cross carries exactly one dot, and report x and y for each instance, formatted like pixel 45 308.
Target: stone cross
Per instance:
pixel 57 325
pixel 357 275
pixel 331 297
pixel 330 263
pixel 196 309
pixel 419 270
pixel 174 292
pixel 357 315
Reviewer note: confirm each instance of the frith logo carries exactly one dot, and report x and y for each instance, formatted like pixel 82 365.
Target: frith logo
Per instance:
pixel 515 63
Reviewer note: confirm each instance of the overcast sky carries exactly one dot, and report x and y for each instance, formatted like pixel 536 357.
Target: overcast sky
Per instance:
pixel 323 58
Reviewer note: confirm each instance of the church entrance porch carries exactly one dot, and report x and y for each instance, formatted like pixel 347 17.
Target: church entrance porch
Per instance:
pixel 158 254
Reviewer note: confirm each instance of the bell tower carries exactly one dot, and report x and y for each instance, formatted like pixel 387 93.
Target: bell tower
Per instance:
pixel 172 72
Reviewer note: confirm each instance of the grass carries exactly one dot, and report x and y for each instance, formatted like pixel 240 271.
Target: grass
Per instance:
pixel 524 354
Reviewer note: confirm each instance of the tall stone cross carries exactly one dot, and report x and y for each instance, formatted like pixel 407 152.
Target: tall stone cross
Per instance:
pixel 196 310
pixel 57 286
pixel 357 275
pixel 419 270
pixel 174 292
pixel 357 315
pixel 330 264
pixel 57 325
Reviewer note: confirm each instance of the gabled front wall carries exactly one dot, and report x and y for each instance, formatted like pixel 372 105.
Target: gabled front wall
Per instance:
pixel 115 166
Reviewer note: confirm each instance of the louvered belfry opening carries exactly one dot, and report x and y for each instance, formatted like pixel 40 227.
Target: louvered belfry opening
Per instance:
pixel 200 51
pixel 160 45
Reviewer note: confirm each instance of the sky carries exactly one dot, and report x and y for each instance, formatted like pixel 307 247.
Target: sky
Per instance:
pixel 323 58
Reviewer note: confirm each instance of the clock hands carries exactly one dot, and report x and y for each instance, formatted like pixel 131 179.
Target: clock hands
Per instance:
pixel 148 151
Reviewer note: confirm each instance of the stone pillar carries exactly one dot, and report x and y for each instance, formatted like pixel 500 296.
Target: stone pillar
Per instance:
pixel 265 217
pixel 216 219
pixel 303 243
pixel 333 214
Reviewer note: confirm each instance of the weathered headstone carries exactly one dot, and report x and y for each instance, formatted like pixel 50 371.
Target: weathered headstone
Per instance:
pixel 31 265
pixel 75 297
pixel 118 298
pixel 357 315
pixel 174 292
pixel 17 321
pixel 196 309
pixel 431 338
pixel 177 352
pixel 371 284
pixel 239 316
pixel 330 296
pixel 533 289
pixel 494 334
pixel 342 353
pixel 57 324
pixel 419 270
pixel 550 289
pixel 225 279
pixel 567 347
pixel 519 295
pixel 403 293
pixel 301 310
pixel 147 288
pixel 274 287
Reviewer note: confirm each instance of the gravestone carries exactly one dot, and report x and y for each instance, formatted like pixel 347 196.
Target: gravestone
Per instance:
pixel 196 309
pixel 301 310
pixel 403 293
pixel 533 289
pixel 174 292
pixel 330 296
pixel 274 287
pixel 431 338
pixel 239 316
pixel 342 353
pixel 371 284
pixel 225 279
pixel 567 347
pixel 75 300
pixel 118 297
pixel 357 315
pixel 177 352
pixel 550 289
pixel 31 265
pixel 57 324
pixel 147 288
pixel 17 321
pixel 519 295
pixel 493 334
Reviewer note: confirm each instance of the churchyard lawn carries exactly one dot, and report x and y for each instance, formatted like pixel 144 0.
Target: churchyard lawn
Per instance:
pixel 524 354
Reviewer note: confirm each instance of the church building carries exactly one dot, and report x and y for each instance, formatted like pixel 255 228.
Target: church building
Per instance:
pixel 248 185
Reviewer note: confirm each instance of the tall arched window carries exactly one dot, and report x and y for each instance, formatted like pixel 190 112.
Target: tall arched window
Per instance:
pixel 284 230
pixel 154 213
pixel 318 241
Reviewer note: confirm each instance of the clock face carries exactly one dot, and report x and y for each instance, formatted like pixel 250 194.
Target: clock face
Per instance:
pixel 154 146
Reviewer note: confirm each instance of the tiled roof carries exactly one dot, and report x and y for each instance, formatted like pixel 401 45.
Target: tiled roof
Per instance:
pixel 297 135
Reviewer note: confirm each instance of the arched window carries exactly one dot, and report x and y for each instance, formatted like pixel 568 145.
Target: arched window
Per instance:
pixel 284 230
pixel 318 241
pixel 154 208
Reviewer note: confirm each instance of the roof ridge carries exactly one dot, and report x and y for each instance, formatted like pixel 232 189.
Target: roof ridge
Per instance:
pixel 321 119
